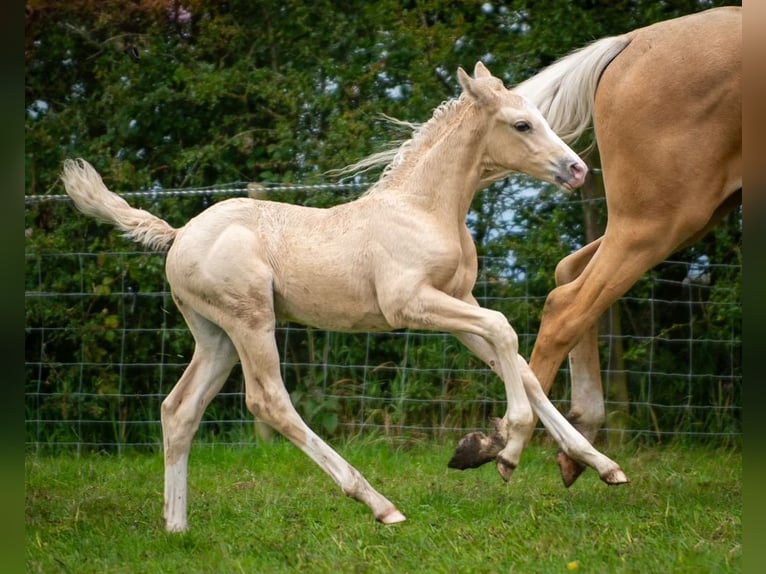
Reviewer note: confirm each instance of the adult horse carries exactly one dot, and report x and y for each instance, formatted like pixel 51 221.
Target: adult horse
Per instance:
pixel 665 102
pixel 400 256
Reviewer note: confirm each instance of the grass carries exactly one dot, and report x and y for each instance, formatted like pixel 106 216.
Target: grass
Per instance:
pixel 269 509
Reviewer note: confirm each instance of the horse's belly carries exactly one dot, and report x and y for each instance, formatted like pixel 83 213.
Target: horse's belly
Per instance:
pixel 333 312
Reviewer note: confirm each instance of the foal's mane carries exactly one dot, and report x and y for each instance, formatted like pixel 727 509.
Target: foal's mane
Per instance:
pixel 423 136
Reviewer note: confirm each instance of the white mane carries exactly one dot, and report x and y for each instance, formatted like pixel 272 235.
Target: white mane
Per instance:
pixel 395 157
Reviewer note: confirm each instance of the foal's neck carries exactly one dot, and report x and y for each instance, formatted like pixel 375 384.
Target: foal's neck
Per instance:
pixel 444 177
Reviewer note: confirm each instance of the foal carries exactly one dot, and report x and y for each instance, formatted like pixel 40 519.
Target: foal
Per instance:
pixel 400 256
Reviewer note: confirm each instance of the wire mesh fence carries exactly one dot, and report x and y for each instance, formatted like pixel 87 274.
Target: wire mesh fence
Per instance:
pixel 105 344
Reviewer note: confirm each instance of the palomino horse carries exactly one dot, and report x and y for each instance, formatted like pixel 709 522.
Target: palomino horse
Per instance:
pixel 400 256
pixel 667 114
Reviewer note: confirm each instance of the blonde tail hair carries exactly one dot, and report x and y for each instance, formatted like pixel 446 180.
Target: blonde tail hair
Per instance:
pixel 89 194
pixel 564 92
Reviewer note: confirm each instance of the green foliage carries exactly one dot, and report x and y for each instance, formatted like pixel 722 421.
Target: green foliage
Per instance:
pixel 204 92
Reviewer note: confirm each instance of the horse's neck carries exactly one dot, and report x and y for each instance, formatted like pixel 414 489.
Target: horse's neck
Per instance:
pixel 445 176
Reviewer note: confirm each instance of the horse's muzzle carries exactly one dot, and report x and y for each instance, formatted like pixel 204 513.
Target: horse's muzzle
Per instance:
pixel 572 175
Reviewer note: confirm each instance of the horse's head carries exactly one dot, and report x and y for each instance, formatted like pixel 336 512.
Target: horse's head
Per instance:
pixel 518 137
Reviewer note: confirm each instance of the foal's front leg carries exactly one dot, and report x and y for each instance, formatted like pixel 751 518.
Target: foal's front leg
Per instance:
pixel 572 443
pixel 434 310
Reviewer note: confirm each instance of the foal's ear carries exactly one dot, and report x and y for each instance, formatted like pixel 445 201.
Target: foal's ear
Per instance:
pixel 464 79
pixel 480 70
pixel 475 88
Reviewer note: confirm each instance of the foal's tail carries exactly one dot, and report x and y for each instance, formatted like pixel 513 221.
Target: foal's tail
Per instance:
pixel 90 195
pixel 565 91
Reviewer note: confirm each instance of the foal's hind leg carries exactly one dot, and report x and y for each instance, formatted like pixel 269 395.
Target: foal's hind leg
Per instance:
pixel 268 400
pixel 214 356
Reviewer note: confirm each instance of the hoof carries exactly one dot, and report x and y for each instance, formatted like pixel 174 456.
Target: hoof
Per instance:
pixel 476 448
pixel 570 468
pixel 470 452
pixel 392 517
pixel 615 476
pixel 505 468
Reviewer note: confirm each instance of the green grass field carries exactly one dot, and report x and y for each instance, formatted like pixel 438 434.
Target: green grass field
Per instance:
pixel 269 509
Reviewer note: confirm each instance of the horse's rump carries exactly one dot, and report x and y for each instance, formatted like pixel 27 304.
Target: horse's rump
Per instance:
pixel 667 108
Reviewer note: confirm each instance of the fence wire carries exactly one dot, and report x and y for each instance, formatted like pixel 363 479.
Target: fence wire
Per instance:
pixel 98 362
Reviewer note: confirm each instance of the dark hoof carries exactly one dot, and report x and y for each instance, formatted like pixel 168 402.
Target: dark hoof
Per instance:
pixel 470 452
pixel 476 448
pixel 570 468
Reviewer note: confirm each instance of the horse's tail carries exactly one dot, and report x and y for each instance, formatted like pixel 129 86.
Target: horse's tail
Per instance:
pixel 86 188
pixel 565 91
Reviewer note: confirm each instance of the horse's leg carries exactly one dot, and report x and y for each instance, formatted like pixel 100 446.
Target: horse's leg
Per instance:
pixel 587 411
pixel 214 356
pixel 570 441
pixel 572 309
pixel 630 246
pixel 435 310
pixel 587 403
pixel 489 334
pixel 267 399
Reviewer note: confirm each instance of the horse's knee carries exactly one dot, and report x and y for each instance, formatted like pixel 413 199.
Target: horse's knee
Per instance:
pixel 502 332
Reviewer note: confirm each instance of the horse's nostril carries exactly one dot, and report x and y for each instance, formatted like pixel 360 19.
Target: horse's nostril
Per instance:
pixel 578 170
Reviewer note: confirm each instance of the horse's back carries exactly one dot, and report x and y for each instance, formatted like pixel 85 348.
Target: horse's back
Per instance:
pixel 675 63
pixel 709 41
pixel 300 263
pixel 668 107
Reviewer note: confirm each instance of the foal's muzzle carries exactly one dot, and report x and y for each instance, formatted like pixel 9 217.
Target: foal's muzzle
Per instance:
pixel 571 174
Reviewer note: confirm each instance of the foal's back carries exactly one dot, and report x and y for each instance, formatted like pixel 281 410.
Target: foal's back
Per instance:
pixel 272 258
pixel 341 268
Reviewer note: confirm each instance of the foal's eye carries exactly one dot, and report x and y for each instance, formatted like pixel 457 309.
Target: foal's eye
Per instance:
pixel 522 126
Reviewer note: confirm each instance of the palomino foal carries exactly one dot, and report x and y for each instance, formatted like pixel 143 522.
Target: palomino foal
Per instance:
pixel 400 256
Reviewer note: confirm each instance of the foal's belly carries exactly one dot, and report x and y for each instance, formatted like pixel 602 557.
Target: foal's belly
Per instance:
pixel 330 304
pixel 330 321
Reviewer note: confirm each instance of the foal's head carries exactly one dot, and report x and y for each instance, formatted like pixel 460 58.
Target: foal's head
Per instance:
pixel 518 137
